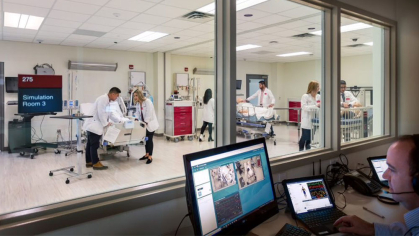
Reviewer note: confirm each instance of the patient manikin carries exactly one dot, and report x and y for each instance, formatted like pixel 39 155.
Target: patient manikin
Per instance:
pixel 247 109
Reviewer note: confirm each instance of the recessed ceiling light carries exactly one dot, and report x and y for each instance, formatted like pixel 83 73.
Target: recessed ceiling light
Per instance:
pixel 294 54
pixel 347 28
pixel 148 36
pixel 177 37
pixel 273 42
pixel 311 28
pixel 248 15
pixel 116 14
pixel 369 43
pixel 240 5
pixel 22 21
pixel 246 47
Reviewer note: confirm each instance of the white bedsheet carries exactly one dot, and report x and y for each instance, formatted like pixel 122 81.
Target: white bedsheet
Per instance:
pixel 250 110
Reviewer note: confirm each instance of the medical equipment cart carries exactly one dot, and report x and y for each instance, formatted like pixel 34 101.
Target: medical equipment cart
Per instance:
pixel 179 120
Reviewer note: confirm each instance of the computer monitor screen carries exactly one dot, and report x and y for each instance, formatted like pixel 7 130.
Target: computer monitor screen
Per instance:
pixel 309 195
pixel 238 84
pixel 230 189
pixel 379 166
pixel 11 84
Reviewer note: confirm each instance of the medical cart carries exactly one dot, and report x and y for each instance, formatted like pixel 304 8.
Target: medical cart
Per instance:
pixel 179 120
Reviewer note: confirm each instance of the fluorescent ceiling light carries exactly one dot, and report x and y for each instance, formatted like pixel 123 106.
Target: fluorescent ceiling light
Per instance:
pixel 294 54
pixel 22 21
pixel 246 47
pixel 240 5
pixel 369 43
pixel 148 36
pixel 347 28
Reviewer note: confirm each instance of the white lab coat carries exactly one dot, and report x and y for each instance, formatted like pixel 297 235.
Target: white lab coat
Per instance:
pixel 101 115
pixel 208 113
pixel 308 104
pixel 349 98
pixel 268 97
pixel 150 118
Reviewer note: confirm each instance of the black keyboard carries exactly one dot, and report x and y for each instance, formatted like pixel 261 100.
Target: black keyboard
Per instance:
pixel 374 186
pixel 291 230
pixel 323 217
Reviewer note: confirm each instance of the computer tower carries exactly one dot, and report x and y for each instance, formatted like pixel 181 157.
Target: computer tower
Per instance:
pixel 19 135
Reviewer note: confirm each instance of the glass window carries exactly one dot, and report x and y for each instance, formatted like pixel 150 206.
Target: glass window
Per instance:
pixel 161 57
pixel 279 76
pixel 362 80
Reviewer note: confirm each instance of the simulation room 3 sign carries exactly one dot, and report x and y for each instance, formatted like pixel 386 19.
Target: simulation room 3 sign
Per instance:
pixel 39 93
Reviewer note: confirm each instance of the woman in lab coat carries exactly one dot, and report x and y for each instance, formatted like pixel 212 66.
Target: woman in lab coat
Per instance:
pixel 309 102
pixel 145 112
pixel 208 116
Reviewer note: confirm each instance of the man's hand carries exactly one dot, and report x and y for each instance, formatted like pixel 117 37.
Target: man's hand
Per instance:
pixel 345 105
pixel 354 225
pixel 272 105
pixel 109 124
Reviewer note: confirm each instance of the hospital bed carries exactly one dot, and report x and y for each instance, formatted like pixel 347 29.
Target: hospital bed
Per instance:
pixel 251 125
pixel 355 123
pixel 131 132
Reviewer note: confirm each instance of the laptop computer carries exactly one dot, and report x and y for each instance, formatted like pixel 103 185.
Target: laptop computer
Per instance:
pixel 378 166
pixel 311 202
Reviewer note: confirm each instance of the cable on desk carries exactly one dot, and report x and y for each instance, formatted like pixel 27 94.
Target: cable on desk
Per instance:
pixel 341 193
pixel 181 223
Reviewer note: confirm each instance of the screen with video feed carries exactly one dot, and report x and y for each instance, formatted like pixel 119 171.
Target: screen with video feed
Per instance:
pixel 231 186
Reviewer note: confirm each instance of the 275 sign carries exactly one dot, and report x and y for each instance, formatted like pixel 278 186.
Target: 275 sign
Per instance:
pixel 27 79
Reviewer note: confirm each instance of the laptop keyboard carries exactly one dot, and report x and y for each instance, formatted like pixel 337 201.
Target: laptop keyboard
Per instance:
pixel 291 230
pixel 323 217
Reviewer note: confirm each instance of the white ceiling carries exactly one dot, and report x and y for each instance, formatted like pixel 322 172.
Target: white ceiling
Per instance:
pixel 274 20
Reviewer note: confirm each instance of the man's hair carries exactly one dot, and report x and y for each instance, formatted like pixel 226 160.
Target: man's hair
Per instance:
pixel 413 153
pixel 115 90
pixel 342 82
pixel 262 82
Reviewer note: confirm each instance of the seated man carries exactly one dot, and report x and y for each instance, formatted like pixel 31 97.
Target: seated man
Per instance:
pixel 403 179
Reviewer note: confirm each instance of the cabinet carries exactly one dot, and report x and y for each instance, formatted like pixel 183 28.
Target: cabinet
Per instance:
pixel 293 114
pixel 179 120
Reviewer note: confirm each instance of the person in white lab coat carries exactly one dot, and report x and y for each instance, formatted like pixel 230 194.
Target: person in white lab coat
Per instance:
pixel 95 126
pixel 208 115
pixel 145 112
pixel 309 101
pixel 264 95
pixel 347 99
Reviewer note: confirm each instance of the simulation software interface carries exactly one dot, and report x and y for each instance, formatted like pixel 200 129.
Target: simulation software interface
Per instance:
pixel 380 166
pixel 231 185
pixel 309 195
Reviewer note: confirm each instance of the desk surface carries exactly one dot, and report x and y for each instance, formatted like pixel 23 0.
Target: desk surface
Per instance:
pixel 354 204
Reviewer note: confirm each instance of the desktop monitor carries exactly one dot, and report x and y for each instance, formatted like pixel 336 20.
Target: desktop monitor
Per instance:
pixel 11 84
pixel 229 189
pixel 238 84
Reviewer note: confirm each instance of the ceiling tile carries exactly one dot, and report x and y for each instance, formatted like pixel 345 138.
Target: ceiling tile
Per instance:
pixel 71 16
pixel 37 3
pixel 187 4
pixel 76 7
pixel 180 24
pixel 116 36
pixel 73 43
pixel 126 31
pixel 47 41
pixel 145 18
pixel 94 45
pixel 130 5
pixel 300 12
pixel 55 35
pixel 61 23
pixel 16 8
pixel 204 28
pixel 249 26
pixel 51 28
pixel 270 30
pixel 286 33
pixel 95 27
pixel 195 40
pixel 105 21
pixel 191 33
pixel 19 31
pixel 314 19
pixel 16 38
pixel 109 12
pixel 250 35
pixel 165 29
pixel 275 6
pixel 167 11
pixel 81 38
pixel 298 23
pixel 271 19
pixel 137 26
pixel 94 2
pixel 256 14
pixel 17 35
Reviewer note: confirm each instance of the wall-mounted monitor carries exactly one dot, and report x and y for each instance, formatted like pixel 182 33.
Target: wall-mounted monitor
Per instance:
pixel 11 84
pixel 238 84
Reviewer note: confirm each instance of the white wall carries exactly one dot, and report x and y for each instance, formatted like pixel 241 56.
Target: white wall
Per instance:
pixel 20 58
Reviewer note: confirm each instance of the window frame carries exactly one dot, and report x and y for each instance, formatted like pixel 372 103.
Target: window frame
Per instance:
pixel 59 215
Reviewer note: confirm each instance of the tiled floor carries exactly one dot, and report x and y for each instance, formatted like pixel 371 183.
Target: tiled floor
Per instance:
pixel 25 183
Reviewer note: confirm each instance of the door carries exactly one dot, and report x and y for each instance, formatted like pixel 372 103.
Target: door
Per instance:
pixel 252 82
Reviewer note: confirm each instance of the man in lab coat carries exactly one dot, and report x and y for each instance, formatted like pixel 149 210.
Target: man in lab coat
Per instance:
pixel 264 95
pixel 95 126
pixel 347 99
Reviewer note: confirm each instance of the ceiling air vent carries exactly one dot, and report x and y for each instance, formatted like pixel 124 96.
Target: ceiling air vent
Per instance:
pixel 305 35
pixel 197 16
pixel 89 33
pixel 356 45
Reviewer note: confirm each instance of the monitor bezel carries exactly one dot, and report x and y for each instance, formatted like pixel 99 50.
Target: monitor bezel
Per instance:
pixel 243 224
pixel 308 178
pixel 374 172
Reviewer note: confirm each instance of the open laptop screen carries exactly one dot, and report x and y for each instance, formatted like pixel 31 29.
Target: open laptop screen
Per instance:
pixel 379 166
pixel 309 195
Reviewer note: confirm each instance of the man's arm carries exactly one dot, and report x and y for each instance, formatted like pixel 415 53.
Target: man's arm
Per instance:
pixel 102 103
pixel 253 96
pixel 354 225
pixel 271 95
pixel 352 98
